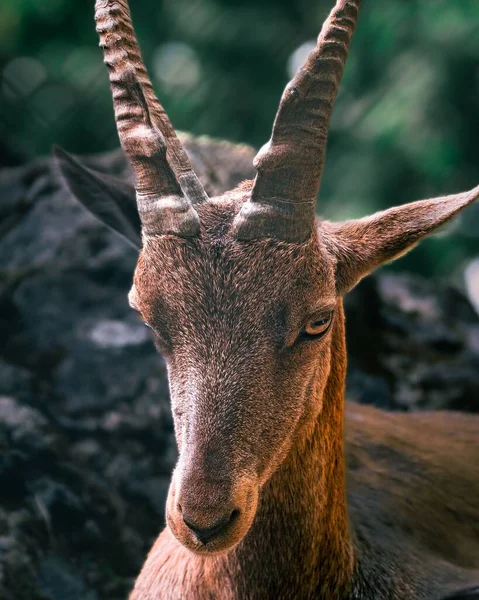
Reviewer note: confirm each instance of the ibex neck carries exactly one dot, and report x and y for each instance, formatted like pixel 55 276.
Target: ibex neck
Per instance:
pixel 299 545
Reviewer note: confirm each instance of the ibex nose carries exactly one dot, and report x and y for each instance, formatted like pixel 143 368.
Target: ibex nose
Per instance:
pixel 210 515
pixel 206 534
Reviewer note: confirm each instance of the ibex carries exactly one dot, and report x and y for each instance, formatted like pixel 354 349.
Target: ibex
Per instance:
pixel 243 293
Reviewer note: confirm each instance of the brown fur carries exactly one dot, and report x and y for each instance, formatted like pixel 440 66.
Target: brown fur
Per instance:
pixel 259 424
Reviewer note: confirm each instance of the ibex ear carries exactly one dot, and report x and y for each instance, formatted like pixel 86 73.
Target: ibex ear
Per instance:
pixel 361 245
pixel 110 199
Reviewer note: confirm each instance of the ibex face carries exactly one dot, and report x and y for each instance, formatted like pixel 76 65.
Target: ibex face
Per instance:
pixel 244 327
pixel 243 292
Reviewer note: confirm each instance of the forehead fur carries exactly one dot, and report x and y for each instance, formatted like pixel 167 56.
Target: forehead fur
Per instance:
pixel 215 271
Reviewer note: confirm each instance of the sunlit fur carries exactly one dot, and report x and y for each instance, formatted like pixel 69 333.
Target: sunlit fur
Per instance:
pixel 259 424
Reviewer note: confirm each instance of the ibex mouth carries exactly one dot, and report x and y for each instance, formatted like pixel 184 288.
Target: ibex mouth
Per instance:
pixel 211 529
pixel 208 534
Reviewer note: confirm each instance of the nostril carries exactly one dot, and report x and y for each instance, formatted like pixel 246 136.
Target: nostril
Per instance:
pixel 206 534
pixel 234 514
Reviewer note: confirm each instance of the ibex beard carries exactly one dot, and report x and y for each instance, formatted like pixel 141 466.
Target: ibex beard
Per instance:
pixel 241 386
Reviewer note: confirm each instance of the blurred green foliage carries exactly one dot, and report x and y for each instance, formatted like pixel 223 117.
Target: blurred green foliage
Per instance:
pixel 406 120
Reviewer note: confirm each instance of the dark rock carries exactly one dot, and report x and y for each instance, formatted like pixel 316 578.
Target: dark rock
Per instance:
pixel 417 340
pixel 59 580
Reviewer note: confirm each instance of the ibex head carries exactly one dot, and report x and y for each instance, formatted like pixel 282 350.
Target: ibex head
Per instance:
pixel 243 292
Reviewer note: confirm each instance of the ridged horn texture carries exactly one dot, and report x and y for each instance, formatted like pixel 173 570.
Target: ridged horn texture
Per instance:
pixel 290 165
pixel 166 186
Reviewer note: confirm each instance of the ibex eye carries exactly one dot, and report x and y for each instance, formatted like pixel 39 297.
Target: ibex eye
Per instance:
pixel 318 326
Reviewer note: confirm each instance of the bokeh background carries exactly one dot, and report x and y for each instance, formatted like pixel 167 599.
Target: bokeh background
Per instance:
pixel 406 120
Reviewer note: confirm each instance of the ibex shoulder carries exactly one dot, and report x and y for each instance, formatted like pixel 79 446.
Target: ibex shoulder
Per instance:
pixel 413 489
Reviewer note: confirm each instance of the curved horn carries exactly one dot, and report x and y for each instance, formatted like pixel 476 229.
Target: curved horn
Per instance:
pixel 166 185
pixel 290 165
